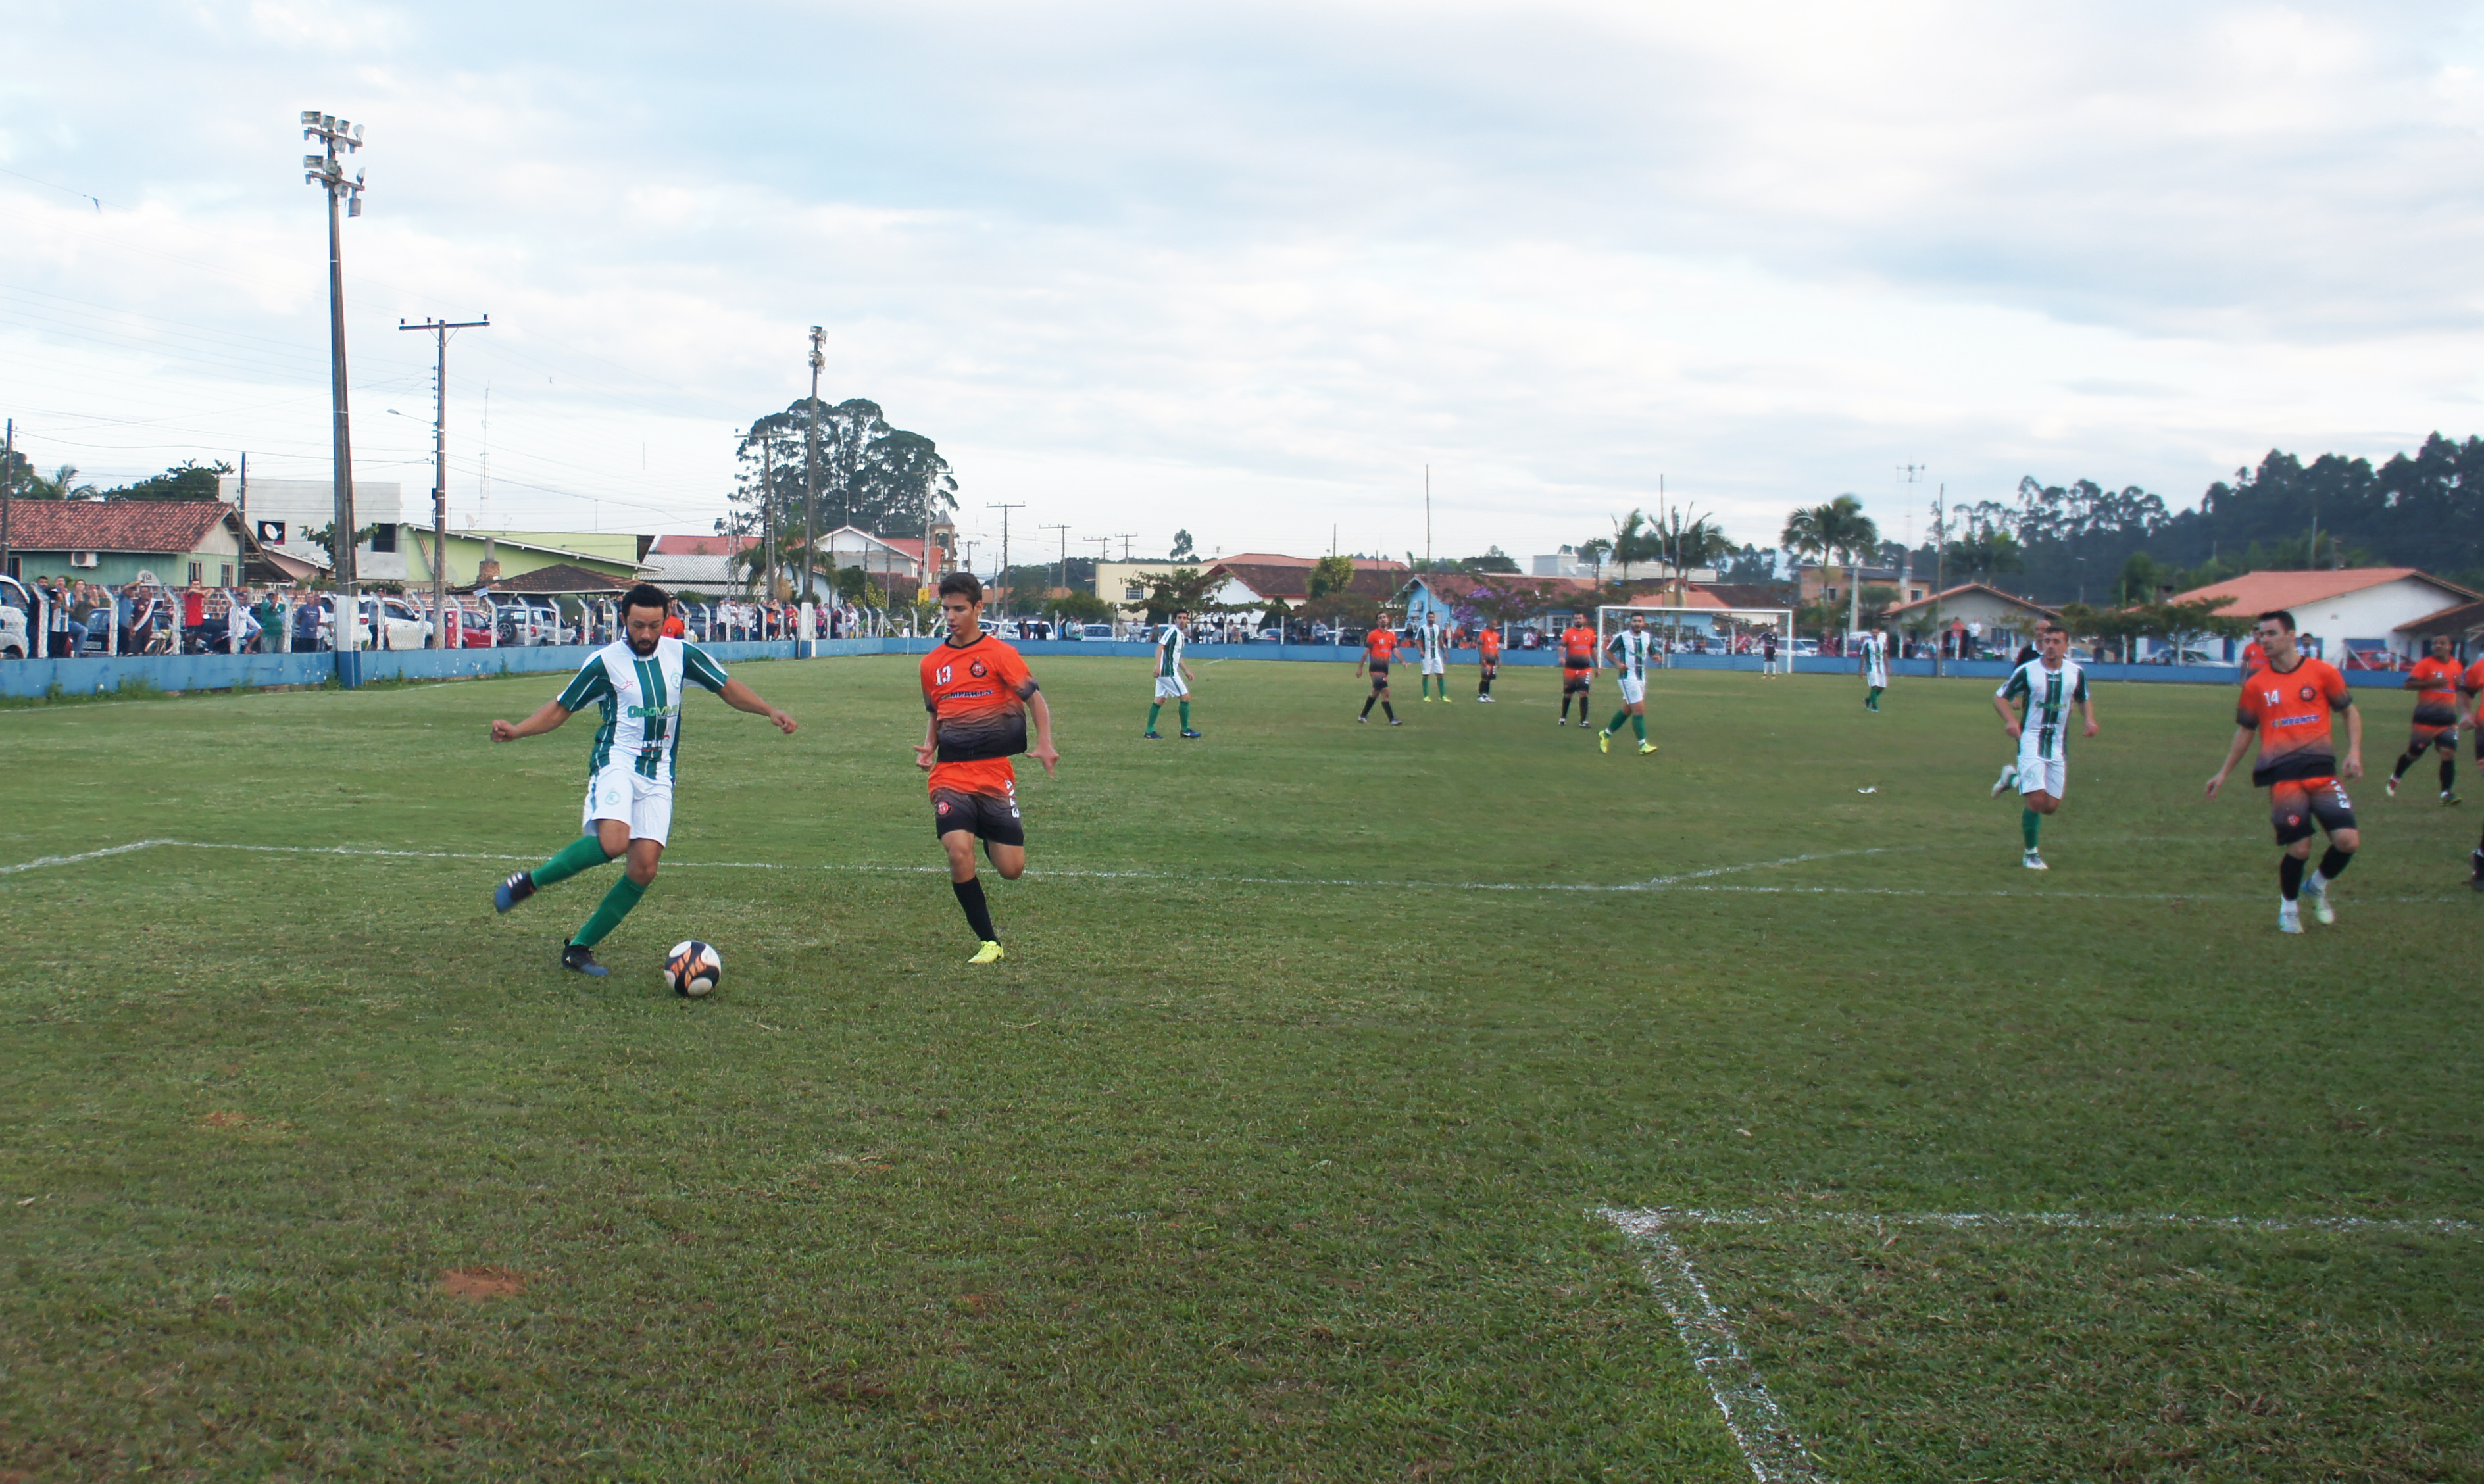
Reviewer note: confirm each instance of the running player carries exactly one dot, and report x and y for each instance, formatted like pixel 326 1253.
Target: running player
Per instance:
pixel 1433 640
pixel 2433 678
pixel 1630 649
pixel 978 692
pixel 2289 705
pixel 1487 660
pixel 2472 685
pixel 1875 668
pixel 1580 662
pixel 1172 676
pixel 2047 686
pixel 637 686
pixel 1379 647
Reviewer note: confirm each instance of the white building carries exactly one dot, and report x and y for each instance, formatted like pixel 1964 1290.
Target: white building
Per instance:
pixel 282 512
pixel 2371 609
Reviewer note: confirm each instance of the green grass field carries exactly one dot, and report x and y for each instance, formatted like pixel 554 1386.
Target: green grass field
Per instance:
pixel 1273 1151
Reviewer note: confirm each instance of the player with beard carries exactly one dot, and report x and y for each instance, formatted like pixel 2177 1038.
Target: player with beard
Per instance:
pixel 636 685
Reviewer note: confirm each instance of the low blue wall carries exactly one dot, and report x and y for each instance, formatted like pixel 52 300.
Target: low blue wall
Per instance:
pixel 223 672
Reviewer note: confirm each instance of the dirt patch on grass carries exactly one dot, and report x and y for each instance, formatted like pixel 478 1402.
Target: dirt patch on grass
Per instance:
pixel 855 1391
pixel 483 1282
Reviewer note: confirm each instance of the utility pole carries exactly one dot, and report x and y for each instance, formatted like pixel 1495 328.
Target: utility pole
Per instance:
pixel 8 484
pixel 327 172
pixel 768 513
pixel 1907 474
pixel 1427 517
pixel 811 467
pixel 1065 550
pixel 1126 539
pixel 1005 566
pixel 1940 570
pixel 438 329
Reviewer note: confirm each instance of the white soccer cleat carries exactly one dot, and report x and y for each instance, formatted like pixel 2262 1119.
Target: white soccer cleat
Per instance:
pixel 2288 919
pixel 2318 894
pixel 2008 777
pixel 2392 787
pixel 2034 862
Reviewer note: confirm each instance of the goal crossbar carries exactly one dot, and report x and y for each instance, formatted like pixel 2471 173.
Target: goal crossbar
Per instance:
pixel 1699 631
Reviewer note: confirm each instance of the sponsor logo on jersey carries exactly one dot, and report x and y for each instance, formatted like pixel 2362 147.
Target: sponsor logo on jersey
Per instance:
pixel 2298 720
pixel 641 712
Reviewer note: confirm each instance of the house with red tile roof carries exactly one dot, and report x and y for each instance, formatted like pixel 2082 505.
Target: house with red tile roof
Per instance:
pixel 119 541
pixel 2365 610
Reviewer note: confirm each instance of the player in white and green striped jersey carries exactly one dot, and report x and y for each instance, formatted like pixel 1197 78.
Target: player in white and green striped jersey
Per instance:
pixel 2047 688
pixel 637 685
pixel 1173 677
pixel 1631 648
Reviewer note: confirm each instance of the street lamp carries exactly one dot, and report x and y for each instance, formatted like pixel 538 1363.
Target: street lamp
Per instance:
pixel 328 171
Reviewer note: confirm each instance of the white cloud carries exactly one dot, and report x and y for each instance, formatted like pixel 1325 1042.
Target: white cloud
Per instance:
pixel 1248 271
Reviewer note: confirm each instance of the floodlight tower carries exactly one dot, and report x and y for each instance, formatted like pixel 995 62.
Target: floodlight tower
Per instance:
pixel 328 171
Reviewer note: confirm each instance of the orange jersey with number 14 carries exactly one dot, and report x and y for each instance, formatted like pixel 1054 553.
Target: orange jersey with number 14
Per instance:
pixel 2291 708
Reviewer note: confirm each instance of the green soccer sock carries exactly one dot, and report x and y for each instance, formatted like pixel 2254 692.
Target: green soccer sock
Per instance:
pixel 609 911
pixel 1154 712
pixel 1638 724
pixel 1874 699
pixel 2029 824
pixel 1185 717
pixel 584 853
pixel 1615 724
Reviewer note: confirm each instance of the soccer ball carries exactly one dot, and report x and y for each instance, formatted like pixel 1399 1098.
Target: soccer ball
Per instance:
pixel 693 969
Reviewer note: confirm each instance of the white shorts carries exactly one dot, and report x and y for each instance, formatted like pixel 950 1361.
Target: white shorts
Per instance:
pixel 2040 774
pixel 1170 688
pixel 1436 667
pixel 1633 691
pixel 645 805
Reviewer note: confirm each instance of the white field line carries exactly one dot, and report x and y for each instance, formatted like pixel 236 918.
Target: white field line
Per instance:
pixel 71 860
pixel 1691 880
pixel 1759 1427
pixel 1964 1221
pixel 1769 1445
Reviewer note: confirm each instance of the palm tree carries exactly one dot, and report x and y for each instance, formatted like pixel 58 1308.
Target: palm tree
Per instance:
pixel 1838 529
pixel 1595 550
pixel 62 485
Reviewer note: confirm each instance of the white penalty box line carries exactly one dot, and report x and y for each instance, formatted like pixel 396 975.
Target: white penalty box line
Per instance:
pixel 1679 881
pixel 1760 1428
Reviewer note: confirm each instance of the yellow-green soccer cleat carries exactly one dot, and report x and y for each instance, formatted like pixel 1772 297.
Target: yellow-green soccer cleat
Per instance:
pixel 1646 747
pixel 1603 742
pixel 989 953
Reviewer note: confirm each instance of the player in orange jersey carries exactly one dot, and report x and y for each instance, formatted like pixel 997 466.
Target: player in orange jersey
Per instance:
pixel 979 692
pixel 2255 657
pixel 2288 706
pixel 2471 684
pixel 1487 660
pixel 1379 647
pixel 2433 678
pixel 1579 661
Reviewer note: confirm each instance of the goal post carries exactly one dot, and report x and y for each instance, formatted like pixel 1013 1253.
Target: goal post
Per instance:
pixel 1688 630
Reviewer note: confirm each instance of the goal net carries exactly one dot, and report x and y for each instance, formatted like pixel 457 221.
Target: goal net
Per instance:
pixel 1700 630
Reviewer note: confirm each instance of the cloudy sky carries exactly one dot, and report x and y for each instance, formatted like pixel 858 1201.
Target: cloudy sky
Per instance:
pixel 1247 270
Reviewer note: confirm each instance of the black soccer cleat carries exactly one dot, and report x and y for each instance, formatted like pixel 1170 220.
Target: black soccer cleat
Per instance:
pixel 581 958
pixel 517 888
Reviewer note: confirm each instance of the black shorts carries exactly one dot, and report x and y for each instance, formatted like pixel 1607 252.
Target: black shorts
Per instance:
pixel 1491 668
pixel 1573 680
pixel 2434 724
pixel 2297 806
pixel 1380 677
pixel 991 816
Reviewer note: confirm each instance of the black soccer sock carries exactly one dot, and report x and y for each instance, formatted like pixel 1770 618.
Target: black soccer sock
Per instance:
pixel 2405 762
pixel 2450 776
pixel 978 916
pixel 2333 863
pixel 2289 875
pixel 1390 709
pixel 1366 704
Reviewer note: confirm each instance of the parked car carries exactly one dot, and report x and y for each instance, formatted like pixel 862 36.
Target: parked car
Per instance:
pixel 16 619
pixel 401 625
pixel 529 619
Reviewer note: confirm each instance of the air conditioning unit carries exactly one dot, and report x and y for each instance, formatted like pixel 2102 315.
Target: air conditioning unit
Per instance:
pixel 83 560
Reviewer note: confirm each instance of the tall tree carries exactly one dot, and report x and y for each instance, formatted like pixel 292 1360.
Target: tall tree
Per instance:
pixel 1183 550
pixel 883 479
pixel 1838 529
